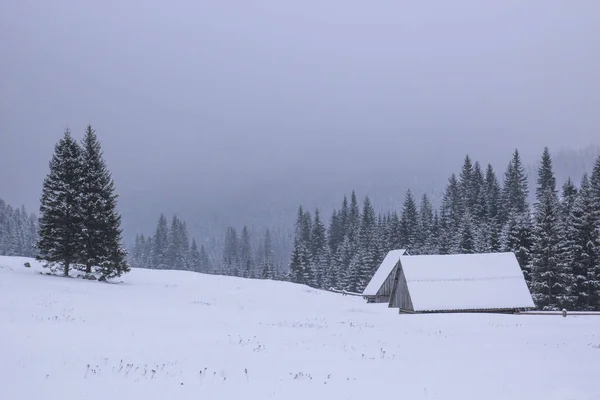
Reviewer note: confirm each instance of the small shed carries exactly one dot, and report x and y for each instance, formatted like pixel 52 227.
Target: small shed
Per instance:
pixel 460 283
pixel 380 287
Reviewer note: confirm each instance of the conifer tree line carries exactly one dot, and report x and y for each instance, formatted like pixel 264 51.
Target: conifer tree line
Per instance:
pixel 241 258
pixel 79 226
pixel 556 239
pixel 169 248
pixel 18 231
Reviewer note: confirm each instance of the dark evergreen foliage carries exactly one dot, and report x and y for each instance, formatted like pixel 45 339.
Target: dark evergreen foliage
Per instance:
pixel 61 217
pixel 79 224
pixel 548 278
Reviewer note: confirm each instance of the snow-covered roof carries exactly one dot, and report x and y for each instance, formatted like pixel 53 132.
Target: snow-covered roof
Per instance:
pixel 384 270
pixel 466 282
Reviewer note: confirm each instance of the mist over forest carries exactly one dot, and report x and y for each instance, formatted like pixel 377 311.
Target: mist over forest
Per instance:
pixel 232 116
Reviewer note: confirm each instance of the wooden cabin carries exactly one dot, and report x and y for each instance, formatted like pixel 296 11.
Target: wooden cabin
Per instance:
pixel 380 287
pixel 491 282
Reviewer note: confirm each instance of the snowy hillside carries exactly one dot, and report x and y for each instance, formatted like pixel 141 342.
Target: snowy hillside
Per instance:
pixel 181 335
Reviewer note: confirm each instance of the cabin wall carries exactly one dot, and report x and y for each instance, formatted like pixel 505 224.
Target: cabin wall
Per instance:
pixel 386 289
pixel 401 297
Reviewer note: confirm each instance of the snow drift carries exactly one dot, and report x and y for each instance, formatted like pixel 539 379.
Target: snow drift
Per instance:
pixel 168 334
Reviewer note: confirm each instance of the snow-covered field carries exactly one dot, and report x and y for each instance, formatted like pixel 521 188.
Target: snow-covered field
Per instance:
pixel 179 335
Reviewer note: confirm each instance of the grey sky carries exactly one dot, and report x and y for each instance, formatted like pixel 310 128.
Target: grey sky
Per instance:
pixel 193 98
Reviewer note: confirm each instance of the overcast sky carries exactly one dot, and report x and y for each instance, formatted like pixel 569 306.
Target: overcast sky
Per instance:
pixel 191 98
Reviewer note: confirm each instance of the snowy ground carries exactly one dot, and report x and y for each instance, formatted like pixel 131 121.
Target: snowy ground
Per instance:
pixel 167 334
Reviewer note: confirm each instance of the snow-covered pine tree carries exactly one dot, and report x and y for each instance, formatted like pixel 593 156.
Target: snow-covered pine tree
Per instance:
pixel 566 244
pixel 4 231
pixel 368 252
pixel 450 217
pixel 410 225
pixel 482 227
pixel 306 235
pixel 353 222
pixel 267 264
pixel 595 189
pixel 95 192
pixel 319 262
pixel 346 276
pixel 382 235
pixel 335 233
pixel 18 231
pixel 179 245
pixel 515 215
pixel 567 198
pixel 478 209
pixel 17 224
pixel 245 255
pixel 467 235
pixel 61 216
pixel 300 257
pixel 31 236
pixel 466 186
pixel 493 209
pixel 148 253
pixel 297 258
pixel 160 244
pixel 517 237
pixel 194 262
pixel 137 251
pixel 395 239
pixel 231 253
pixel 584 250
pixel 205 265
pixel 548 281
pixel 515 190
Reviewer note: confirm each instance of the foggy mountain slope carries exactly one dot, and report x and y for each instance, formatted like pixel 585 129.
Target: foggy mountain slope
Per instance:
pixel 194 100
pixel 274 205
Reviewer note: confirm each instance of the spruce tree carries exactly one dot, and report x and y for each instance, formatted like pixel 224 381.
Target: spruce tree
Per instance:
pixel 61 215
pixel 517 237
pixel 268 268
pixel 585 250
pixel 160 244
pixel 395 239
pixel 515 215
pixel 548 281
pixel 194 261
pixel 382 235
pixel 148 258
pixel 296 261
pixel 300 259
pixel 101 245
pixel 466 186
pixel 478 208
pixel 567 199
pixel 335 232
pixel 493 209
pixel 410 224
pixel 567 244
pixel 450 217
pixel 516 189
pixel 245 254
pixel 318 251
pixel 353 222
pixel 204 260
pixel 467 235
pixel 365 263
pixel 231 264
